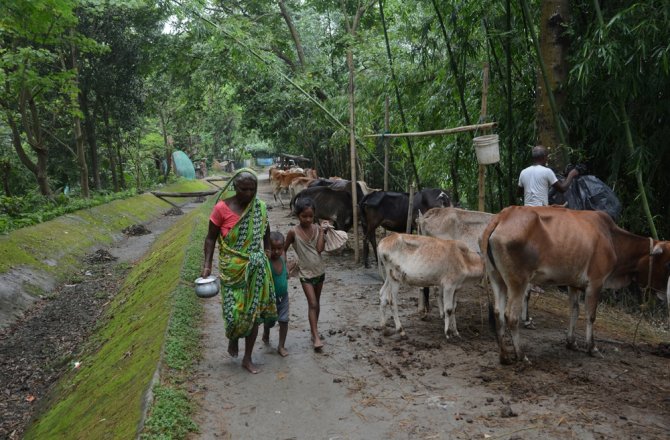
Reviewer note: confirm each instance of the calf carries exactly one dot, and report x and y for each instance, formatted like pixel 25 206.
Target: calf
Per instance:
pixel 419 261
pixel 583 250
pixel 452 224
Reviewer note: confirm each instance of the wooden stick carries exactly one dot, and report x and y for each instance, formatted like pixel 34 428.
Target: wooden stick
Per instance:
pixel 461 129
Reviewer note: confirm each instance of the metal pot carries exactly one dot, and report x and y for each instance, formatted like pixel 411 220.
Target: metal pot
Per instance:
pixel 207 287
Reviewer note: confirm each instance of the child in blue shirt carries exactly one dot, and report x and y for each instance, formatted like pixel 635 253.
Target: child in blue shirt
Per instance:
pixel 280 278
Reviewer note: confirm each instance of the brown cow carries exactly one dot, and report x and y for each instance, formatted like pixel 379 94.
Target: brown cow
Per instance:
pixel 419 261
pixel 298 185
pixel 583 250
pixel 281 181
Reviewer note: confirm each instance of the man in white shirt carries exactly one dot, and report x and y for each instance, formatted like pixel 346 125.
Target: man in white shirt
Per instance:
pixel 536 180
pixel 534 184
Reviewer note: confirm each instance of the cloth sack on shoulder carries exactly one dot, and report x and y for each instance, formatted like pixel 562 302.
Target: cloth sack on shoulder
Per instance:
pixel 334 239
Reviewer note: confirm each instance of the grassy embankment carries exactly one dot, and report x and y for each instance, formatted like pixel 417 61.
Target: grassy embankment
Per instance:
pixel 55 247
pixel 152 322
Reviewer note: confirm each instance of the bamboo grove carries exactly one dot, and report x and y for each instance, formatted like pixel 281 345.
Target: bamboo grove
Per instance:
pixel 96 94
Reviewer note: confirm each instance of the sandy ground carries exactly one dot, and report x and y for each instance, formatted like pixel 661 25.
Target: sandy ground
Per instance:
pixel 367 386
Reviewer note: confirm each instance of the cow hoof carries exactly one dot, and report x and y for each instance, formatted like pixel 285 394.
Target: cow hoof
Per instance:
pixel 505 360
pixel 570 345
pixel 530 325
pixel 403 336
pixel 386 331
pixel 594 352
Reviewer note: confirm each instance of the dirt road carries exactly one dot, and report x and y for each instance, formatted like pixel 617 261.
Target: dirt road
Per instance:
pixel 368 386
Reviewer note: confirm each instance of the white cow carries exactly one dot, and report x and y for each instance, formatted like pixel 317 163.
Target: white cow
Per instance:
pixel 423 262
pixel 454 224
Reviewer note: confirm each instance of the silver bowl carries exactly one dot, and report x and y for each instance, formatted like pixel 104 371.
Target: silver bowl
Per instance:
pixel 207 287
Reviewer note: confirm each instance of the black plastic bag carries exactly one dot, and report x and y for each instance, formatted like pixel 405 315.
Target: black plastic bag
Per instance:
pixel 587 192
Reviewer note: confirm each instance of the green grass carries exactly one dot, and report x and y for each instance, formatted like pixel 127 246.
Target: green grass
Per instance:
pixel 65 240
pixel 170 413
pixel 154 317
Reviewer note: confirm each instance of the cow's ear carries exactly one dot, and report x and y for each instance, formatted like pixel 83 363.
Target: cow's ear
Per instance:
pixel 658 250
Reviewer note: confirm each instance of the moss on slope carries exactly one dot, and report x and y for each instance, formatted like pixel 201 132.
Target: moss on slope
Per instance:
pixel 104 398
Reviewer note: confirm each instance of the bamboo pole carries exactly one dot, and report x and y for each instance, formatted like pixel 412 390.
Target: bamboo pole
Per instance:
pixel 410 211
pixel 486 126
pixel 631 148
pixel 387 127
pixel 481 206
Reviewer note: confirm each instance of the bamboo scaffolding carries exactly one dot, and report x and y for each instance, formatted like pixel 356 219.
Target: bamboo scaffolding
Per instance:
pixel 161 195
pixel 461 129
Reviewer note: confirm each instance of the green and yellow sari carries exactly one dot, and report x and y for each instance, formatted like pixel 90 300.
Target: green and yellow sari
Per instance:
pixel 246 277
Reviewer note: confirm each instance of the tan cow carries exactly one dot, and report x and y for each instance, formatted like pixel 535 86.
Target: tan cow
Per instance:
pixel 281 182
pixel 298 184
pixel 584 250
pixel 419 261
pixel 454 224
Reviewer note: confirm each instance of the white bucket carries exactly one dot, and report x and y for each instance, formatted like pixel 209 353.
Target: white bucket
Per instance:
pixel 486 149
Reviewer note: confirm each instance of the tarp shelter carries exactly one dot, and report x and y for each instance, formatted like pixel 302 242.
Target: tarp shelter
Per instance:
pixel 182 165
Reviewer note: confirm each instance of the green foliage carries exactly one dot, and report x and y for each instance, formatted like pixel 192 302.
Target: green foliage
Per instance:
pixel 31 209
pixel 170 413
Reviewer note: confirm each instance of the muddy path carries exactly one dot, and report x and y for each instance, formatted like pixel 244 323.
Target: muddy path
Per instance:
pixel 366 385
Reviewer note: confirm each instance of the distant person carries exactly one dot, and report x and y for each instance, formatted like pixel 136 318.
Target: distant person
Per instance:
pixel 280 279
pixel 308 242
pixel 240 224
pixel 536 180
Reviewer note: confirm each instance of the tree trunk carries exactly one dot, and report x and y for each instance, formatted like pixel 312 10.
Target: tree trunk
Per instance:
pixel 119 160
pixel 89 127
pixel 554 50
pixel 294 32
pixel 78 133
pixel 6 169
pixel 110 148
pixel 397 93
pixel 168 151
pixel 33 130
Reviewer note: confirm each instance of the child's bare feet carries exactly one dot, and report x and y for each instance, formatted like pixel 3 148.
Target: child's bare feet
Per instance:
pixel 266 338
pixel 282 351
pixel 233 348
pixel 318 345
pixel 251 367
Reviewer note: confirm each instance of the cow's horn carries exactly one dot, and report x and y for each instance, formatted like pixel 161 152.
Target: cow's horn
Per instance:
pixel 658 250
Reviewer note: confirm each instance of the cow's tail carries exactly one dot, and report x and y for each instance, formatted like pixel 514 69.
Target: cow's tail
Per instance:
pixel 419 224
pixel 292 202
pixel 485 245
pixel 380 266
pixel 487 256
pixel 667 298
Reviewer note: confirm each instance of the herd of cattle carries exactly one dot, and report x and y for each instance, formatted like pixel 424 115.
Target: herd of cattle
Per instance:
pixel 519 247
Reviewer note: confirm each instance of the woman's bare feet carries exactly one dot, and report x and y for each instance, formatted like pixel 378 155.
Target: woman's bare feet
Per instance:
pixel 251 367
pixel 282 351
pixel 233 347
pixel 318 345
pixel 266 338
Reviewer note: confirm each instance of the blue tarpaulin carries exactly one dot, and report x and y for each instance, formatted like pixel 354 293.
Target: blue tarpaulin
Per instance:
pixel 182 165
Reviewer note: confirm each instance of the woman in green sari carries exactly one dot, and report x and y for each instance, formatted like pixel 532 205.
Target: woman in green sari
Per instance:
pixel 240 224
